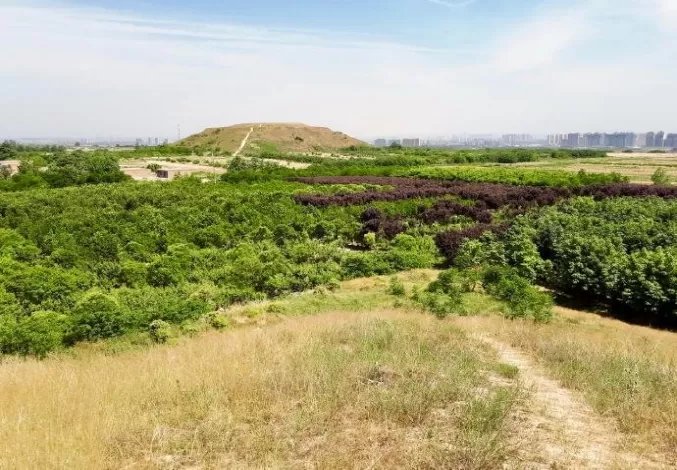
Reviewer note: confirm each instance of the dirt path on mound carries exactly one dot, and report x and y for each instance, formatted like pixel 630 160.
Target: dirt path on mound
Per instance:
pixel 244 142
pixel 558 430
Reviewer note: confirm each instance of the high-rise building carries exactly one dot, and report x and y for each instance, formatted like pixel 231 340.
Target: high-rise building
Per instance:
pixel 380 143
pixel 660 136
pixel 620 139
pixel 572 140
pixel 150 142
pixel 514 140
pixel 593 140
pixel 556 139
pixel 157 141
pixel 650 139
pixel 394 142
pixel 670 141
pixel 641 140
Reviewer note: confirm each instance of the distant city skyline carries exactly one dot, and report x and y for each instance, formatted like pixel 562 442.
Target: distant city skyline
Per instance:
pixel 648 140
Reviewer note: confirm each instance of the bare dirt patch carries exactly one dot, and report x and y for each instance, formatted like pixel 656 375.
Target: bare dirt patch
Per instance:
pixel 138 169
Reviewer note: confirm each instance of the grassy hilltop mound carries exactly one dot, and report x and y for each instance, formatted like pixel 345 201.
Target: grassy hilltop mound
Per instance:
pixel 286 137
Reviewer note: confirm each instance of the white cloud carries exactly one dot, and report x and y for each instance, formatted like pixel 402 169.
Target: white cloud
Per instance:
pixel 92 72
pixel 541 41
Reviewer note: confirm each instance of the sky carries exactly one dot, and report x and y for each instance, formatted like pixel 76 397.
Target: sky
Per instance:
pixel 370 68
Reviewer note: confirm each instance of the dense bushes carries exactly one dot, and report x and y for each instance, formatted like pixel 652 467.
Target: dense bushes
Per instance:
pixel 413 168
pixel 515 176
pixel 619 252
pixel 520 298
pixel 87 263
pixel 109 260
pixel 432 156
pixel 65 169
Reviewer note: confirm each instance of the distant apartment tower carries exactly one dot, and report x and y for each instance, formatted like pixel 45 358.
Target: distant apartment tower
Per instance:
pixel 380 143
pixel 394 142
pixel 513 140
pixel 670 141
pixel 620 139
pixel 556 139
pixel 650 139
pixel 593 140
pixel 658 142
pixel 641 140
pixel 157 141
pixel 139 142
pixel 572 140
pixel 411 142
pixel 165 142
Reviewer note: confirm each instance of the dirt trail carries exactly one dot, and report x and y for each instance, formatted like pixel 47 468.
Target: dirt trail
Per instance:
pixel 560 430
pixel 244 142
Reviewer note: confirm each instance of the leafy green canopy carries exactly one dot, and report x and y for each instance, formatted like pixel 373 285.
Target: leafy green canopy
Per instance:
pixel 110 259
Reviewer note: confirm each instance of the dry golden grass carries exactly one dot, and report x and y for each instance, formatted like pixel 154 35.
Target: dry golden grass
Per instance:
pixel 384 389
pixel 286 137
pixel 625 372
pixel 348 380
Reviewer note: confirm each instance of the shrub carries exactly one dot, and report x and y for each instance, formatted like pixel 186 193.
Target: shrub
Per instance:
pixel 160 331
pixel 660 177
pixel 365 265
pixel 408 252
pixel 97 316
pixel 333 285
pixel 219 321
pixel 522 300
pixel 370 240
pixel 455 282
pixel 440 305
pixel 396 287
pixel 40 333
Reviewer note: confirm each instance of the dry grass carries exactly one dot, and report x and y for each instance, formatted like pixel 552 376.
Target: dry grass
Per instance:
pixel 385 389
pixel 286 137
pixel 625 372
pixel 351 379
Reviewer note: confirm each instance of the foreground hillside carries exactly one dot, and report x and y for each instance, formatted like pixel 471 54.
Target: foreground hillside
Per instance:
pixel 274 137
pixel 356 378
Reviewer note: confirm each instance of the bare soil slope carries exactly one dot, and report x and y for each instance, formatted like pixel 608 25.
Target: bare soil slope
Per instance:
pixel 286 137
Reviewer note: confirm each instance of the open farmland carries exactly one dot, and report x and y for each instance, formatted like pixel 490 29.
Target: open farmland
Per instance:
pixel 639 167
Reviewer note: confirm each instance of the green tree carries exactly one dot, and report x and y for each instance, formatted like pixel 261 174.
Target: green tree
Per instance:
pixel 97 316
pixel 660 177
pixel 41 333
pixel 8 150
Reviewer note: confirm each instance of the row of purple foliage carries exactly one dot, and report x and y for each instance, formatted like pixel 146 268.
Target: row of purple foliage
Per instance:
pixel 487 197
pixel 494 195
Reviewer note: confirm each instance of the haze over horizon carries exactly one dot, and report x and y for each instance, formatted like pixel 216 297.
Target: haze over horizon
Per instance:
pixel 398 67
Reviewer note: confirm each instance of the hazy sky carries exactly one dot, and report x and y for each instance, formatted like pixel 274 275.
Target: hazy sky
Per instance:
pixel 366 67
